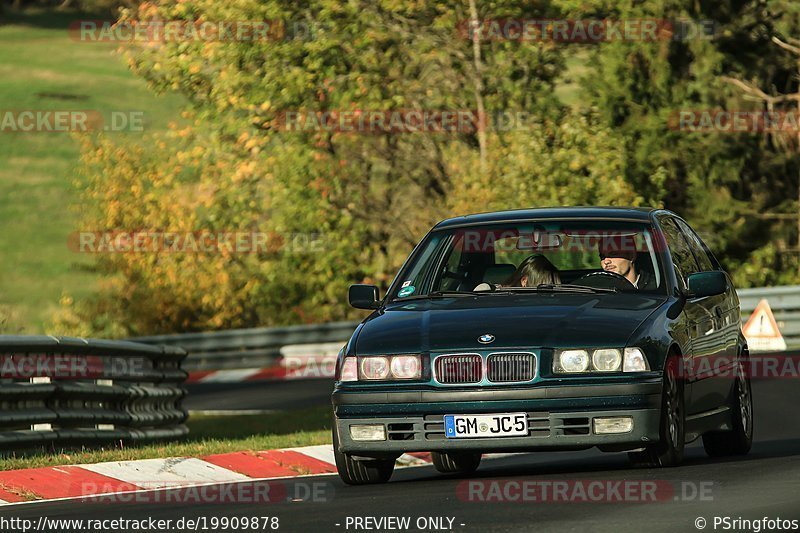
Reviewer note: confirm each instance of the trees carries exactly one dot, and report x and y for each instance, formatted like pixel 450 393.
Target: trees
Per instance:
pixel 372 193
pixel 777 262
pixel 720 181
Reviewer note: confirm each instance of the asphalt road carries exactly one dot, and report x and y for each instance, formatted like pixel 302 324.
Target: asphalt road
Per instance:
pixel 264 395
pixel 764 484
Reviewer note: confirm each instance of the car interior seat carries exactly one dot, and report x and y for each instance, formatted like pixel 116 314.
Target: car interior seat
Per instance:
pixel 498 273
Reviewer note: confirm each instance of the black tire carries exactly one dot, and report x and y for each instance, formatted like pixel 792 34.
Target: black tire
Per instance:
pixel 360 471
pixel 738 440
pixel 668 451
pixel 456 462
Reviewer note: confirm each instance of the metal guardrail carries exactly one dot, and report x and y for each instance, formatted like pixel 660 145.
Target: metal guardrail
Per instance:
pixel 249 348
pixel 71 390
pixel 264 347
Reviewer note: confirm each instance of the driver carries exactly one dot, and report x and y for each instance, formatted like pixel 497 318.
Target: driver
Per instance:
pixel 618 255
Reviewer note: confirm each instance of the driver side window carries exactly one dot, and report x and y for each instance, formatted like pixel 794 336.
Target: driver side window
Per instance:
pixel 452 275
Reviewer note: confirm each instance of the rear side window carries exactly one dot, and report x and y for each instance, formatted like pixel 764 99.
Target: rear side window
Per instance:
pixel 697 247
pixel 682 256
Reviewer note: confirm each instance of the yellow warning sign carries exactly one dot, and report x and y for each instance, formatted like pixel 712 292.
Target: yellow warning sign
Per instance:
pixel 761 330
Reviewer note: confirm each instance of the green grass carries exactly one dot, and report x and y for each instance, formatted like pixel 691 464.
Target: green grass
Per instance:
pixel 41 67
pixel 577 66
pixel 207 435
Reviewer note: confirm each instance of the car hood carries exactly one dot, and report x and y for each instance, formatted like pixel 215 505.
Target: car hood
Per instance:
pixel 517 321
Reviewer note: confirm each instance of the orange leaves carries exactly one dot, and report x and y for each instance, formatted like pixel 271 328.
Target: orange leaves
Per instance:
pixel 244 170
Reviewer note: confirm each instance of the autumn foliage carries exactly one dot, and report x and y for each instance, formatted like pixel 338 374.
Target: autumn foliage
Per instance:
pixel 366 196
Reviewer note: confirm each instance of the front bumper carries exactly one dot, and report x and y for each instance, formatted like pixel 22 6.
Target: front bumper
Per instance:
pixel 559 417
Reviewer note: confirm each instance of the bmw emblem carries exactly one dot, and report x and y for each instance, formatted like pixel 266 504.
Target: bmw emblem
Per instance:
pixel 486 338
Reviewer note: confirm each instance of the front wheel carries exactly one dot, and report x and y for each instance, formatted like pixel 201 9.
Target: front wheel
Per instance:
pixel 739 440
pixel 360 471
pixel 669 450
pixel 456 462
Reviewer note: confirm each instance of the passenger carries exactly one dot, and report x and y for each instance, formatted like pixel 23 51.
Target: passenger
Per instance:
pixel 534 271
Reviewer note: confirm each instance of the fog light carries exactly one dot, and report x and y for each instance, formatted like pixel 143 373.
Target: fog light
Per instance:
pixel 619 424
pixel 368 432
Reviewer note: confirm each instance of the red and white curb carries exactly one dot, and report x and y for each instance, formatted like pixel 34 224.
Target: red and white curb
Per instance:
pixel 296 361
pixel 322 370
pixel 125 477
pixel 242 374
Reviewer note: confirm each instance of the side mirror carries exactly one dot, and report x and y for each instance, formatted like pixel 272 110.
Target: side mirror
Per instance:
pixel 364 296
pixel 702 284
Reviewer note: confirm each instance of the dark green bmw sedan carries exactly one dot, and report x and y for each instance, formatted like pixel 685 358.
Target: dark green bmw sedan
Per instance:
pixel 545 329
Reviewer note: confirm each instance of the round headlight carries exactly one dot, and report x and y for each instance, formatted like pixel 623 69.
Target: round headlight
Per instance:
pixel 574 360
pixel 375 367
pixel 406 367
pixel 607 360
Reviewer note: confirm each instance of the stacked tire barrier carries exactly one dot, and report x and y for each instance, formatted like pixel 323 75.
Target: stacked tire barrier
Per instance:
pixel 82 391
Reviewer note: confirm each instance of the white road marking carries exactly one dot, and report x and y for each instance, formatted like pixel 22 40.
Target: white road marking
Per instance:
pixel 323 452
pixel 228 376
pixel 160 473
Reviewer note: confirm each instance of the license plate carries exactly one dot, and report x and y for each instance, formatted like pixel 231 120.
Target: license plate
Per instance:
pixel 471 426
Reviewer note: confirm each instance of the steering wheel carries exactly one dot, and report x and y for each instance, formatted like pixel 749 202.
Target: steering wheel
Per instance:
pixel 603 279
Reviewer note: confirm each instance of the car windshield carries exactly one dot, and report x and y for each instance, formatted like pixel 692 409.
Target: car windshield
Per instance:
pixel 533 256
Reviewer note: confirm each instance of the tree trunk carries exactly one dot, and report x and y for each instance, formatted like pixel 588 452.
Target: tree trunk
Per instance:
pixel 478 85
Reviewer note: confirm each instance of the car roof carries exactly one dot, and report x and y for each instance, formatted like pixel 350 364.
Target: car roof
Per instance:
pixel 641 214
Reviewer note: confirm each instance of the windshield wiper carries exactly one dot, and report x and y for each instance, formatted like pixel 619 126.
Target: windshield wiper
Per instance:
pixel 442 294
pixel 568 287
pixel 550 287
pixel 545 287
